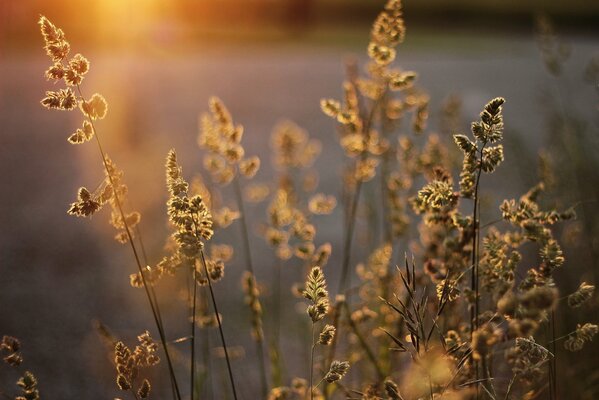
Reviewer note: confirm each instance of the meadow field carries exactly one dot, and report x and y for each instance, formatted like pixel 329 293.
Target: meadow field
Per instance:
pixel 437 286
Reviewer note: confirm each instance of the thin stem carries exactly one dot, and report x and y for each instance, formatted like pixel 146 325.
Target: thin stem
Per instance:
pixel 136 255
pixel 474 277
pixel 206 350
pixel 333 346
pixel 220 325
pixel 349 233
pixel 343 283
pixel 509 388
pixel 312 364
pixel 386 128
pixel 193 332
pixel 554 359
pixel 475 233
pixel 379 370
pixel 250 268
pixel 152 291
pixel 244 226
pixel 276 372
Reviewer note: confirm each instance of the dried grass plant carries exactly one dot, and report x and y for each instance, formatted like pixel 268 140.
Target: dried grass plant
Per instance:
pixel 466 314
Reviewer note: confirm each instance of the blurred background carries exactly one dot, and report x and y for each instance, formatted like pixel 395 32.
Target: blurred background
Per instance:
pixel 157 62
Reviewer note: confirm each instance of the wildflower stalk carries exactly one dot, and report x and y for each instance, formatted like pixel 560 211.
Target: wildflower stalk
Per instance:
pixel 250 269
pixel 151 296
pixel 220 326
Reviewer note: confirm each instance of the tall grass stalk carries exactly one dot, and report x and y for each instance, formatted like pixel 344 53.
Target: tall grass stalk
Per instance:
pixel 474 281
pixel 148 290
pixel 220 326
pixel 353 207
pixel 250 268
pixel 194 285
pixel 312 347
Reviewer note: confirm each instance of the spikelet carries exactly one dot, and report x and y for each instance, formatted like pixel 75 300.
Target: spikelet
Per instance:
pixel 527 358
pixel 249 167
pixel 327 335
pixel 82 135
pixel 78 66
pixel 144 390
pixel 72 71
pixel 28 385
pixel 330 107
pixel 322 204
pixel 145 353
pixel 12 346
pixel 488 130
pixel 584 333
pixel 316 292
pixel 94 108
pixel 175 183
pixel 252 299
pixel 292 146
pixel 224 216
pixel 365 169
pixel 435 196
pixel 64 99
pixel 582 295
pixel 190 215
pixel 221 138
pixel 321 255
pixel 86 205
pixel 337 371
pixel 55 43
pixel 128 363
pixel 256 192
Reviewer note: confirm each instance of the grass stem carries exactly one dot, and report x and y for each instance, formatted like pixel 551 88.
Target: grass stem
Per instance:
pixel 157 320
pixel 250 268
pixel 220 325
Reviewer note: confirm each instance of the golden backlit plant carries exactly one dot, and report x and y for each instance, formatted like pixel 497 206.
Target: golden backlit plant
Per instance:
pixel 468 314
